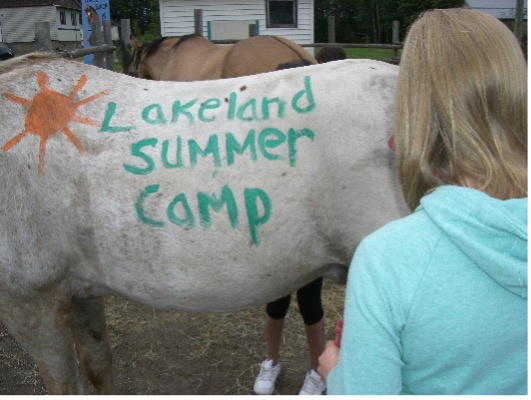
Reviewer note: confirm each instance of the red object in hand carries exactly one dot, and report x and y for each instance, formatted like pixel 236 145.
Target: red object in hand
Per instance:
pixel 339 331
pixel 391 143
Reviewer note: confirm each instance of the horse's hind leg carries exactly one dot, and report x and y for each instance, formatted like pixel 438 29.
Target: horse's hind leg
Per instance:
pixel 40 325
pixel 87 322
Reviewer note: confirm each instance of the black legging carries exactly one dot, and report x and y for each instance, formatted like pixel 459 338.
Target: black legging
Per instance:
pixel 309 300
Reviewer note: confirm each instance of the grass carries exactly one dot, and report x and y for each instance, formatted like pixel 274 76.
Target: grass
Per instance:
pixel 371 54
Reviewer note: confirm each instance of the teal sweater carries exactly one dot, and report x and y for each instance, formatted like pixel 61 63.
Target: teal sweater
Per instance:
pixel 436 302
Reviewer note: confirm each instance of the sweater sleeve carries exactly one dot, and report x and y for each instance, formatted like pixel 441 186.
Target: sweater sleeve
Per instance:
pixel 380 289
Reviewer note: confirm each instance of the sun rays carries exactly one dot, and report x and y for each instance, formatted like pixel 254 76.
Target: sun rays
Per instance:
pixel 50 112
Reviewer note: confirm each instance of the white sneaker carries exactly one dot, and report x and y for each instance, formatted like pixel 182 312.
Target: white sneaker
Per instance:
pixel 313 384
pixel 265 381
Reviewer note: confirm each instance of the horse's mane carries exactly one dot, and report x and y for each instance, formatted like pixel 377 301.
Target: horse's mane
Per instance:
pixel 16 62
pixel 147 49
pixel 185 38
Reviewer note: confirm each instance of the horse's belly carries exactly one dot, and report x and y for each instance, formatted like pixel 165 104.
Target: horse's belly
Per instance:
pixel 255 247
pixel 221 275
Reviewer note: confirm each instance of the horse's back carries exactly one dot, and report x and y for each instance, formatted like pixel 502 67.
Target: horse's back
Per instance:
pixel 197 59
pixel 261 54
pixel 194 58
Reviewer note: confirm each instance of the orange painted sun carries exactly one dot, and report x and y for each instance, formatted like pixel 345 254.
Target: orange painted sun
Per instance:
pixel 50 112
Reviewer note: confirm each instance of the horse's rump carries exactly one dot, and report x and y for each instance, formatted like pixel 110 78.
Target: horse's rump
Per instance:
pixel 260 54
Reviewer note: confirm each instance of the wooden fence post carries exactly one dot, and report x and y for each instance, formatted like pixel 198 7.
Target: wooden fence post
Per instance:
pixel 396 40
pixel 107 38
pixel 518 19
pixel 43 40
pixel 125 40
pixel 198 22
pixel 103 53
pixel 96 39
pixel 125 30
pixel 331 29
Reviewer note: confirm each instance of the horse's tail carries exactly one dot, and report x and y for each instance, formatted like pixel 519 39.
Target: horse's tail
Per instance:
pixel 299 50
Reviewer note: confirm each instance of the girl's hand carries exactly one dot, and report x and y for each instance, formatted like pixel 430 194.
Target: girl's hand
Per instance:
pixel 328 359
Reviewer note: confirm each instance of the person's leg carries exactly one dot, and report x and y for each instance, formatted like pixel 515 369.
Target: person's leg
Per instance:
pixel 315 336
pixel 274 325
pixel 273 334
pixel 311 309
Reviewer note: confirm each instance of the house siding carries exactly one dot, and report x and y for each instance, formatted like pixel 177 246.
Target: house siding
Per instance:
pixel 18 24
pixel 68 32
pixel 177 17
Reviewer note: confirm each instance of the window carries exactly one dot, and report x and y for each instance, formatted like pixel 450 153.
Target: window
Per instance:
pixel 80 19
pixel 62 17
pixel 281 13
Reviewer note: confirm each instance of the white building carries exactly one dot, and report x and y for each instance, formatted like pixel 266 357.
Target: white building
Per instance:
pixel 18 18
pixel 230 19
pixel 500 9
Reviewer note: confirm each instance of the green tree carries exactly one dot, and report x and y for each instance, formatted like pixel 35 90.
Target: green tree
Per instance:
pixel 144 15
pixel 371 21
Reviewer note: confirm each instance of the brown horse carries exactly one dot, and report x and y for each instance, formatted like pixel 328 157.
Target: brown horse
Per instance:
pixel 194 58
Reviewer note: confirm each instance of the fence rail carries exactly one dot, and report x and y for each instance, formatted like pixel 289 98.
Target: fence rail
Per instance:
pixel 102 47
pixel 356 45
pixel 347 45
pixel 395 46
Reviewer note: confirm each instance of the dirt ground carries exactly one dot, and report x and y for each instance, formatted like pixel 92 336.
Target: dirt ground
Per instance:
pixel 163 352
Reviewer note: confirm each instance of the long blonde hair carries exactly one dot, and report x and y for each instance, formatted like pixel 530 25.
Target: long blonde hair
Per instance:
pixel 461 106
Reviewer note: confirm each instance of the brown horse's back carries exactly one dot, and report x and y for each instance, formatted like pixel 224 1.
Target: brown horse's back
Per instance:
pixel 260 54
pixel 194 58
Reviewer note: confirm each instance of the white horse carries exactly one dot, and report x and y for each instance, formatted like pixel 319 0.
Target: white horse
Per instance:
pixel 199 196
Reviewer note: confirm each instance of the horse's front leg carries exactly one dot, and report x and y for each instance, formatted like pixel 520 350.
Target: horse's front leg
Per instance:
pixel 40 325
pixel 87 322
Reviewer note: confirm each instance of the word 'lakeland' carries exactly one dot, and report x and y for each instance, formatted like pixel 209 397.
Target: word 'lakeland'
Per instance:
pixel 251 110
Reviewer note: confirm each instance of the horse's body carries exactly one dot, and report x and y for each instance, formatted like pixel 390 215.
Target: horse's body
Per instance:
pixel 194 58
pixel 201 196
